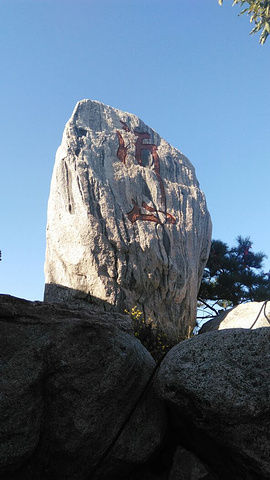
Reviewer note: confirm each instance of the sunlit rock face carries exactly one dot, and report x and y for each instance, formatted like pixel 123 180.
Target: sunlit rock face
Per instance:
pixel 246 315
pixel 127 222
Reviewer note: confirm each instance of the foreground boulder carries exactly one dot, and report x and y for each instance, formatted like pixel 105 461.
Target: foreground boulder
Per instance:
pixel 217 388
pixel 69 379
pixel 127 222
pixel 245 315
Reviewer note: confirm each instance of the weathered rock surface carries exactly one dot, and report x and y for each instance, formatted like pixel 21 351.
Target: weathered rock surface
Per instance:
pixel 127 222
pixel 217 387
pixel 69 378
pixel 247 315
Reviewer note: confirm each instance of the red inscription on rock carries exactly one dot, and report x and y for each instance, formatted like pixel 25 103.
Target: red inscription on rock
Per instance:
pixel 140 145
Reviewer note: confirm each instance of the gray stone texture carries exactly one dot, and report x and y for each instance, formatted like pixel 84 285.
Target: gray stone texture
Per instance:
pixel 217 387
pixel 69 378
pixel 127 222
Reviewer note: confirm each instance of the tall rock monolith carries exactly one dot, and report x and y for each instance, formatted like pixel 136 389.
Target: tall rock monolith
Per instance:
pixel 127 222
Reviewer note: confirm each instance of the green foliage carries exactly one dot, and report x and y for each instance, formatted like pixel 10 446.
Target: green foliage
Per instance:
pixel 259 14
pixel 151 334
pixel 233 275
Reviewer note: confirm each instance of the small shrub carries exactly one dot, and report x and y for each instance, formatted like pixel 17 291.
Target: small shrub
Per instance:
pixel 150 334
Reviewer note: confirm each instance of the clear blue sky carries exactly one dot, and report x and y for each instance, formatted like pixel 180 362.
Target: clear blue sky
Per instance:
pixel 187 68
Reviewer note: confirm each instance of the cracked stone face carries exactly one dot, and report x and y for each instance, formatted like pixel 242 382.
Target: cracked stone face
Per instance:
pixel 127 222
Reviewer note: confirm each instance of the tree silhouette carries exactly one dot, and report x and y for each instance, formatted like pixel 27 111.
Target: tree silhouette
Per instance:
pixel 233 275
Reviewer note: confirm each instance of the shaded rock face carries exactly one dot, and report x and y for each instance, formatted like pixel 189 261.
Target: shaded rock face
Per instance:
pixel 176 464
pixel 186 466
pixel 247 315
pixel 69 379
pixel 217 388
pixel 127 222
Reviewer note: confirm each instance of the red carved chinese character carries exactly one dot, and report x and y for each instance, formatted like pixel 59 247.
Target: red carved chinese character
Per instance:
pixel 136 213
pixel 122 149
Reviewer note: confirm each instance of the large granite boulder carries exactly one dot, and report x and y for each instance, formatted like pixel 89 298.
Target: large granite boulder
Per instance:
pixel 127 222
pixel 217 387
pixel 245 315
pixel 69 378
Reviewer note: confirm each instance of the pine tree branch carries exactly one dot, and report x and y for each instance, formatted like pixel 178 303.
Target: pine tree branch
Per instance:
pixel 208 306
